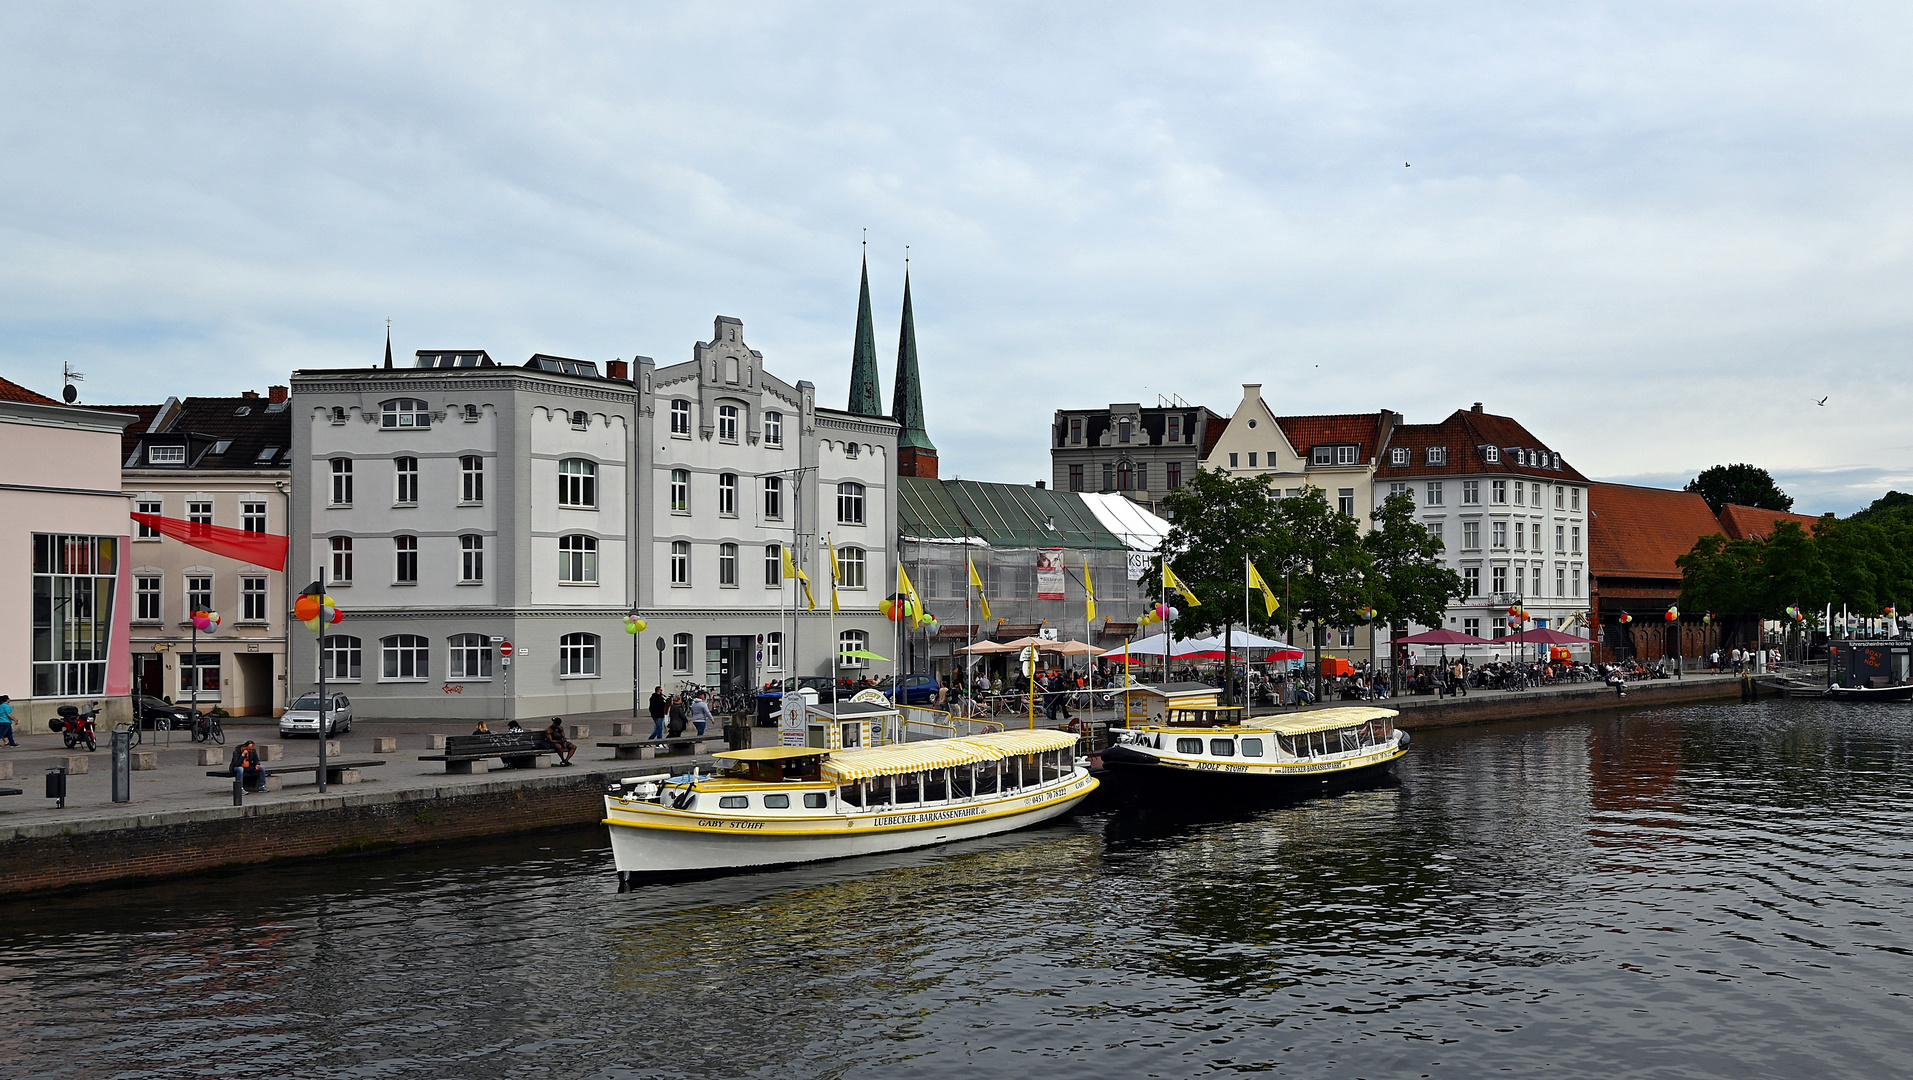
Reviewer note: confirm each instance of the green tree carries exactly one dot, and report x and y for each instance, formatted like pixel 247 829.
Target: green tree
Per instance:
pixel 1407 582
pixel 1748 485
pixel 1220 521
pixel 1894 506
pixel 1329 570
pixel 1728 578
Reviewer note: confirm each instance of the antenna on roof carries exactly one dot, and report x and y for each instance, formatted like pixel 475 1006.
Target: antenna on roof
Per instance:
pixel 1170 401
pixel 70 393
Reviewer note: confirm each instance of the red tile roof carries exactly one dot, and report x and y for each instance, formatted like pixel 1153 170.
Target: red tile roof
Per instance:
pixel 1212 435
pixel 1750 522
pixel 13 391
pixel 1638 532
pixel 133 432
pixel 1363 429
pixel 1464 435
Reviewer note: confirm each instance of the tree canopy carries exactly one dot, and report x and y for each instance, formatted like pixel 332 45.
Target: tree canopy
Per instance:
pixel 1747 485
pixel 1864 564
pixel 1894 506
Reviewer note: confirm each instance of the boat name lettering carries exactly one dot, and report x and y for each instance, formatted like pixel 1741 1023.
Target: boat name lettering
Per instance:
pixel 936 815
pixel 720 823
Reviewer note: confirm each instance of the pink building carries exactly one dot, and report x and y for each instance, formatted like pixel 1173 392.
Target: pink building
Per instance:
pixel 63 568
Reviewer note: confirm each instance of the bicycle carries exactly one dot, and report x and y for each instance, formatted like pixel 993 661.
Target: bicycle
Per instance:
pixel 206 728
pixel 133 727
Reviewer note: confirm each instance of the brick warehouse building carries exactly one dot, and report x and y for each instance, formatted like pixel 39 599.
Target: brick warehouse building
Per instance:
pixel 1636 534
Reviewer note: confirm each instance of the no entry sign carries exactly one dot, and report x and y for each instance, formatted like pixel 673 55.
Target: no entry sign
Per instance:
pixel 504 648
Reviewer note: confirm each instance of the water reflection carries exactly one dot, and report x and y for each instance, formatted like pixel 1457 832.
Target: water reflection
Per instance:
pixel 1709 891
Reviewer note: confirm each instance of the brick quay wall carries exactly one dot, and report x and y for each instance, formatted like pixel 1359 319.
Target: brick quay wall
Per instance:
pixel 92 846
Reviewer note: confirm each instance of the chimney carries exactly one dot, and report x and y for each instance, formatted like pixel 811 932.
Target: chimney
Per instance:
pixel 276 394
pixel 1477 407
pixel 1042 483
pixel 249 393
pixel 617 369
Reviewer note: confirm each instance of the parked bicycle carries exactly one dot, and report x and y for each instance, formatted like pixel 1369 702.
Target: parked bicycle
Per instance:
pixel 206 728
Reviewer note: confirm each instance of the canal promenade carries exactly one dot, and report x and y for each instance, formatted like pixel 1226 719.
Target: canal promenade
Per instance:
pixel 181 820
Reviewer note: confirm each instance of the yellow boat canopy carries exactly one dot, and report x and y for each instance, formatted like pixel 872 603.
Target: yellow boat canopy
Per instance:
pixel 1320 720
pixel 771 753
pixel 844 766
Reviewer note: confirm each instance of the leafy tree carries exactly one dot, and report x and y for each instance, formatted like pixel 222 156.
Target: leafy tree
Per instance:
pixel 1407 581
pixel 1894 506
pixel 1329 570
pixel 1728 578
pixel 1219 522
pixel 1748 485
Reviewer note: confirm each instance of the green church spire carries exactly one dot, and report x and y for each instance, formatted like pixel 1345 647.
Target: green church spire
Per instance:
pixel 866 396
pixel 907 398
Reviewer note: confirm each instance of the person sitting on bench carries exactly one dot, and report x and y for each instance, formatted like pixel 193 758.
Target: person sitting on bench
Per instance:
pixel 245 767
pixel 482 729
pixel 555 734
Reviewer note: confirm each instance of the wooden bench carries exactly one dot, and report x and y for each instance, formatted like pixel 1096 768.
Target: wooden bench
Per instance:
pixel 518 750
pixel 645 749
pixel 11 791
pixel 334 770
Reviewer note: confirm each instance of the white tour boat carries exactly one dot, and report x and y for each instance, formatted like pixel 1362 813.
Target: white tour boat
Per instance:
pixel 793 804
pixel 1213 750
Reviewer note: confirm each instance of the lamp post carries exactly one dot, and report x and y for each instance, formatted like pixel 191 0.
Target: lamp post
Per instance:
pixel 634 626
pixel 207 621
pixel 317 611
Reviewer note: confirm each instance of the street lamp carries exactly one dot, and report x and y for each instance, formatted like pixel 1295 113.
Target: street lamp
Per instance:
pixel 633 625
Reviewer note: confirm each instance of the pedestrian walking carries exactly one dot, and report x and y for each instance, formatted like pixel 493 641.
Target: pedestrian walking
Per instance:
pixel 659 706
pixel 6 720
pixel 700 712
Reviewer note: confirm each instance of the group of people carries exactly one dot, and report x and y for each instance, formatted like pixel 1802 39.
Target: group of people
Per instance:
pixel 552 736
pixel 672 715
pixel 1754 660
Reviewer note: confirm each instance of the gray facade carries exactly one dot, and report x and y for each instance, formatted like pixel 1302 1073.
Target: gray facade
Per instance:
pixel 1141 453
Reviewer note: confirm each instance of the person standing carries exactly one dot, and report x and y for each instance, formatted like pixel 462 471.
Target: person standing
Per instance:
pixel 700 712
pixel 659 706
pixel 6 720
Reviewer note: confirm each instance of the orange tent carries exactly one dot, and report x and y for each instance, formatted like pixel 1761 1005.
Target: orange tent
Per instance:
pixel 1335 665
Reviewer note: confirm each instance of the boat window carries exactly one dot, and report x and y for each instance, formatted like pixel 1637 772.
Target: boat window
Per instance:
pixel 1052 764
pixel 777 802
pixel 963 781
pixel 936 785
pixel 1222 747
pixel 813 800
pixel 1252 748
pixel 908 788
pixel 1068 757
pixel 850 793
pixel 879 790
pixel 986 778
pixel 1188 746
pixel 733 802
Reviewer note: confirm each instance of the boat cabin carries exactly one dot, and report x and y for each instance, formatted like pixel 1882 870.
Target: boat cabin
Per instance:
pixel 1146 704
pixel 776 764
pixel 1204 716
pixel 1870 664
pixel 838 725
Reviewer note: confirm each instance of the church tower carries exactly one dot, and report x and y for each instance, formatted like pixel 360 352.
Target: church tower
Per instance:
pixel 866 396
pixel 916 454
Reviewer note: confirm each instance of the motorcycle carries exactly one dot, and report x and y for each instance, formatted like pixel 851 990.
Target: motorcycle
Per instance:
pixel 76 727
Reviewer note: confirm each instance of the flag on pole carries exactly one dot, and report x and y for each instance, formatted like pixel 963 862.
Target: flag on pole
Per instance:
pixel 1171 581
pixel 1268 594
pixel 1089 594
pixel 834 606
pixel 791 570
pixel 976 583
pixel 909 591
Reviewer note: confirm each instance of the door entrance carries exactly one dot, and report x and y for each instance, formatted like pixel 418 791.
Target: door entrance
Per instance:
pixel 150 675
pixel 727 663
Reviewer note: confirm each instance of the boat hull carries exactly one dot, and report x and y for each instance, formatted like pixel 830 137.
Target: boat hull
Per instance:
pixel 1868 693
pixel 1138 777
pixel 654 841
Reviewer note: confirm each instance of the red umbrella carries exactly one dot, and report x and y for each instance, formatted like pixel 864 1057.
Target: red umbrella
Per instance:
pixel 1442 637
pixel 1546 635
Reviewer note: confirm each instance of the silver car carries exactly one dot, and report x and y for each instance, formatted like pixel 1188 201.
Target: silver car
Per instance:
pixel 303 717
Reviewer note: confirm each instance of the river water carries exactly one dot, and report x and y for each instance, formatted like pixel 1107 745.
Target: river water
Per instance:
pixel 1707 891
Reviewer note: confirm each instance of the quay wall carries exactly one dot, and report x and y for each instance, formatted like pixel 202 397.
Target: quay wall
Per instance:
pixel 94 850
pixel 102 848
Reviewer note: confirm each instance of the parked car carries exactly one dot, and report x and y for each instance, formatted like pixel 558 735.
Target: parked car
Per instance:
pixel 303 717
pixel 918 689
pixel 158 713
pixel 820 683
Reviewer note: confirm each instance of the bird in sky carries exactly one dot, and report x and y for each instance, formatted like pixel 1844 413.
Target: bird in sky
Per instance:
pixel 1823 401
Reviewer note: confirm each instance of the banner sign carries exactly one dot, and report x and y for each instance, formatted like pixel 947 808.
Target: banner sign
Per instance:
pixel 1049 574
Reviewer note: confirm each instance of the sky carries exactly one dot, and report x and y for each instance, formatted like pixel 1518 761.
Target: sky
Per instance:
pixel 1657 234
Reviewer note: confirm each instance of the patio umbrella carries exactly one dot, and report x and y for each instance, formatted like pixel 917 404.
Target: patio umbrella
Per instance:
pixel 983 647
pixel 1546 635
pixel 1278 649
pixel 1152 647
pixel 1072 648
pixel 1442 637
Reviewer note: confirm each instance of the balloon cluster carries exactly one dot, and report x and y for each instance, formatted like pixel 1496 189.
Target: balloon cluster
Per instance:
pixel 930 625
pixel 1793 613
pixel 1517 613
pixel 1626 618
pixel 1673 612
pixel 1368 614
pixel 634 625
pixel 897 607
pixel 316 611
pixel 1890 612
pixel 205 621
pixel 1707 619
pixel 1159 613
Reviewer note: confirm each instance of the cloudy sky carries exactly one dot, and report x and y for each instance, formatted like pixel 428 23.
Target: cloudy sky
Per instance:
pixel 1657 233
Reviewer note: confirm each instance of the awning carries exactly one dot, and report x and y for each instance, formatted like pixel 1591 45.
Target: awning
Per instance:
pixel 1320 720
pixel 846 765
pixel 771 753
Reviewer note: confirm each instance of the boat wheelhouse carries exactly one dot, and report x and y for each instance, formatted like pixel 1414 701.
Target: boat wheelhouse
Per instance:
pixel 1217 750
pixel 776 805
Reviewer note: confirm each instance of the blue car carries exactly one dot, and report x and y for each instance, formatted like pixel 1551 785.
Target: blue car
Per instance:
pixel 917 689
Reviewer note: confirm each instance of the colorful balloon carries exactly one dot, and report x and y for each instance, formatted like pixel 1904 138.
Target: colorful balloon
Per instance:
pixel 1673 613
pixel 316 611
pixel 634 625
pixel 206 621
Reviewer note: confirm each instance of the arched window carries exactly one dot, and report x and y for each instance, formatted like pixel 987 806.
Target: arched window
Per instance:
pixel 1125 476
pixel 340 655
pixel 850 503
pixel 727 423
pixel 404 657
pixel 680 491
pixel 680 562
pixel 680 653
pixel 471 657
pixel 578 559
pixel 580 419
pixel 773 499
pixel 727 494
pixel 773 429
pixel 852 641
pixel 578 656
pixel 681 418
pixel 577 483
pixel 404 413
pixel 850 567
pixel 727 564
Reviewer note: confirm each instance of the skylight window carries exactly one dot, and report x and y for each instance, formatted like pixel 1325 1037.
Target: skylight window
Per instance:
pixel 266 454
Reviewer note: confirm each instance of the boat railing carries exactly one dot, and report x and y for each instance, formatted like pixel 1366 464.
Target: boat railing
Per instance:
pixel 919 724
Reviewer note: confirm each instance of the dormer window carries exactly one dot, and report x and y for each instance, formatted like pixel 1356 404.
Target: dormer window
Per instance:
pixel 1122 431
pixel 1333 454
pixel 404 413
pixel 471 414
pixel 1491 455
pixel 1437 455
pixel 338 414
pixel 1175 429
pixel 580 420
pixel 166 455
pixel 1398 456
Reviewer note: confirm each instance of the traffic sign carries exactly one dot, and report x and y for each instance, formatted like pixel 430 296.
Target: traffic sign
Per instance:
pixel 504 648
pixel 496 639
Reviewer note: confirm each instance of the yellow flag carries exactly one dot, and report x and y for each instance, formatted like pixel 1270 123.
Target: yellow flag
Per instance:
pixel 976 583
pixel 908 590
pixel 1268 594
pixel 1170 581
pixel 834 605
pixel 790 568
pixel 810 599
pixel 1089 594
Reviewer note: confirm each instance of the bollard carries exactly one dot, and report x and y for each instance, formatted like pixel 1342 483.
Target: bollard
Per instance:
pixel 56 784
pixel 577 732
pixel 620 730
pixel 145 760
pixel 210 756
pixel 122 765
pixel 6 770
pixel 435 742
pixel 239 789
pixel 272 751
pixel 385 744
pixel 332 748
